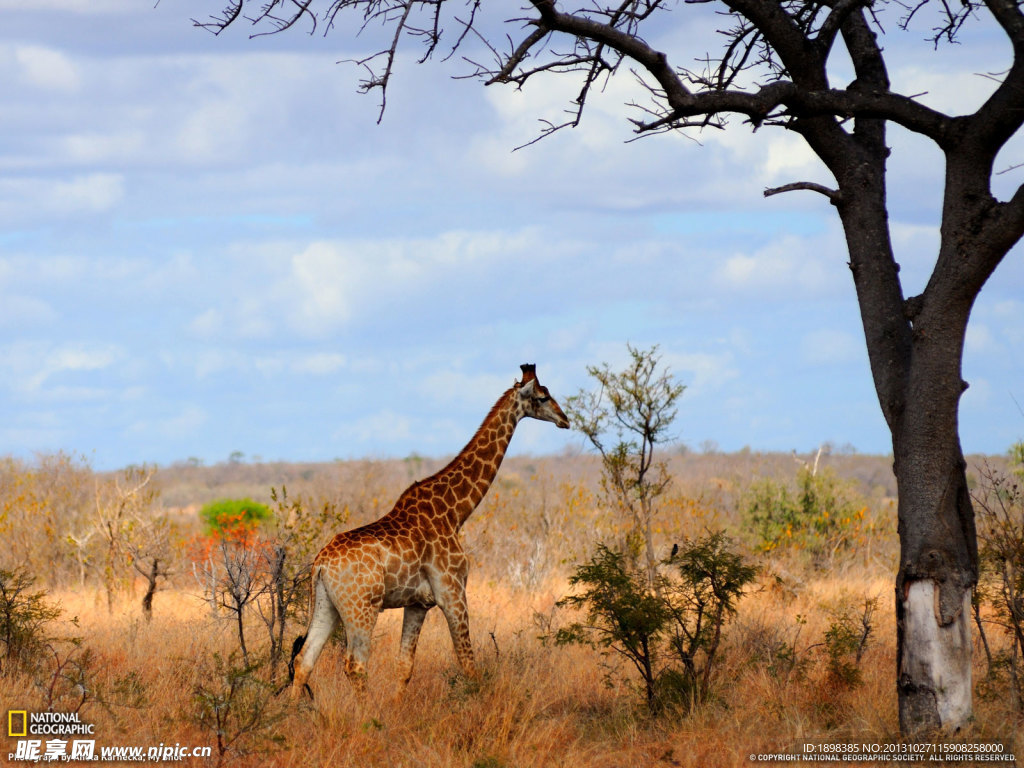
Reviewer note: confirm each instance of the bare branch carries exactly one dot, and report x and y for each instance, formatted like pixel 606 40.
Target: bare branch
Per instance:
pixel 834 195
pixel 283 23
pixel 222 22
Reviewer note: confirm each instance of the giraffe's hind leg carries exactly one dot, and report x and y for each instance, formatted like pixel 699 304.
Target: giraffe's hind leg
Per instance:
pixel 412 623
pixel 359 618
pixel 322 621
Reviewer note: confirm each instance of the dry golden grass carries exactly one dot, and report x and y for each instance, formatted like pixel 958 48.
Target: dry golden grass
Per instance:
pixel 535 705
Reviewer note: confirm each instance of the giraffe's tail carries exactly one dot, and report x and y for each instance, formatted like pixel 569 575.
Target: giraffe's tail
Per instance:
pixel 301 639
pixel 296 650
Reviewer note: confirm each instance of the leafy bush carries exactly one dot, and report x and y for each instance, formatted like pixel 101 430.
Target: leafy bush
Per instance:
pixel 711 578
pixel 621 615
pixel 236 703
pixel 1017 458
pixel 227 518
pixel 846 639
pixel 999 510
pixel 24 618
pixel 671 634
pixel 822 514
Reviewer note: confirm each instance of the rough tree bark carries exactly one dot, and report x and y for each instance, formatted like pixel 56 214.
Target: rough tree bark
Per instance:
pixel 774 71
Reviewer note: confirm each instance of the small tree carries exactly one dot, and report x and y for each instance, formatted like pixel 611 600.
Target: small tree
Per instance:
pixel 622 615
pixel 246 569
pixel 225 516
pixel 711 578
pixel 24 618
pixel 120 502
pixel 1017 459
pixel 151 548
pixel 240 584
pixel 671 636
pixel 624 419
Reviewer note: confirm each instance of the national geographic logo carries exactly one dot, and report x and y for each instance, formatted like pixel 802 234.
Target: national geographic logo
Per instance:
pixel 21 723
pixel 17 722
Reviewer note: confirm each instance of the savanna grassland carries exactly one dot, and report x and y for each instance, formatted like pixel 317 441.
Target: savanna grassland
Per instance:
pixel 808 655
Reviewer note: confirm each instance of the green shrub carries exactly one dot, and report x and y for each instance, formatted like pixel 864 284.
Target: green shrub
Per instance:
pixel 999 514
pixel 236 703
pixel 25 618
pixel 1017 458
pixel 225 518
pixel 822 514
pixel 622 616
pixel 701 600
pixel 671 635
pixel 846 639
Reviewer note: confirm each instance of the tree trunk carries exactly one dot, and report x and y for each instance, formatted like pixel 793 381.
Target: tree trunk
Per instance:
pixel 915 348
pixel 938 548
pixel 938 570
pixel 147 599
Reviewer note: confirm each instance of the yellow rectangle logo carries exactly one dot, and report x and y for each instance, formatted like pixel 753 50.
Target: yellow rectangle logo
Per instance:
pixel 12 718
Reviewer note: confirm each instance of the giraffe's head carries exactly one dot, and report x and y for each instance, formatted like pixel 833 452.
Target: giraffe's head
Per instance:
pixel 535 401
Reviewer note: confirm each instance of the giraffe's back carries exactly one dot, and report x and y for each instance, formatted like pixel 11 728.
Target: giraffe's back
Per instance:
pixel 380 562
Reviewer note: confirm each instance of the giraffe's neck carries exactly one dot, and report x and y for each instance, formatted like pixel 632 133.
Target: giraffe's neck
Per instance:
pixel 471 473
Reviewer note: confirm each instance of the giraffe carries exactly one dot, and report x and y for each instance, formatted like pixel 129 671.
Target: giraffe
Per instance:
pixel 412 557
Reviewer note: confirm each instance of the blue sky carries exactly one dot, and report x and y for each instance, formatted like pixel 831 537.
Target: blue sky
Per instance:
pixel 208 245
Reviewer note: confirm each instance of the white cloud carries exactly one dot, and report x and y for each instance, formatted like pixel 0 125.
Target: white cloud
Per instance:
pixel 978 394
pixel 214 130
pixel 701 372
pixel 979 339
pixel 25 310
pixel 185 423
pixel 469 392
pixel 35 198
pixel 827 346
pixel 788 266
pixel 129 139
pixel 952 92
pixel 787 156
pixel 332 283
pixel 86 357
pixel 47 68
pixel 209 362
pixel 30 366
pixel 74 6
pixel 327 281
pixel 91 194
pixel 1008 316
pixel 95 147
pixel 208 323
pixel 383 429
pixel 319 364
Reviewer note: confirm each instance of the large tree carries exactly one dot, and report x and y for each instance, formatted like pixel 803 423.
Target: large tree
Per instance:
pixel 775 67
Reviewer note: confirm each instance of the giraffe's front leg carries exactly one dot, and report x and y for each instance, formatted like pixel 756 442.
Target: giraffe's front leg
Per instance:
pixel 412 623
pixel 451 597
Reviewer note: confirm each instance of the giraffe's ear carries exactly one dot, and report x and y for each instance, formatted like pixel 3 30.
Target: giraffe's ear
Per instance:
pixel 527 388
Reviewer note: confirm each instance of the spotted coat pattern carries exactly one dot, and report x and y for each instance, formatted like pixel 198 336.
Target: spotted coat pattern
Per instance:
pixel 412 558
